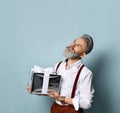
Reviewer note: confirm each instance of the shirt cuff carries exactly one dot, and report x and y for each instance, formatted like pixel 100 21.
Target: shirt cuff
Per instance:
pixel 76 103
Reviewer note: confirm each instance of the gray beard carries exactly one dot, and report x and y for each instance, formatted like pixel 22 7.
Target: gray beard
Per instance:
pixel 67 54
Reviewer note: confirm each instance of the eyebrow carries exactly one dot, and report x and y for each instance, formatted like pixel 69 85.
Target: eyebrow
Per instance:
pixel 77 43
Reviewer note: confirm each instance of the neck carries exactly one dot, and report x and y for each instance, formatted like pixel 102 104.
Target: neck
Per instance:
pixel 71 61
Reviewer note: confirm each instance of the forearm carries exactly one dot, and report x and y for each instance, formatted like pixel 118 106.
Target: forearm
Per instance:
pixel 68 101
pixel 53 94
pixel 64 100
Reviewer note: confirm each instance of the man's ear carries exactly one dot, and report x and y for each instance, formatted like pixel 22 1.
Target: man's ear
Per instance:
pixel 83 55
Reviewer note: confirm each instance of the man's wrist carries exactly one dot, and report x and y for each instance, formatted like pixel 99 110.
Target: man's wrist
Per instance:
pixel 61 99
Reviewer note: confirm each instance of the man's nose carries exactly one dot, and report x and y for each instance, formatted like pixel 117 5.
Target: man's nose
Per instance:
pixel 71 47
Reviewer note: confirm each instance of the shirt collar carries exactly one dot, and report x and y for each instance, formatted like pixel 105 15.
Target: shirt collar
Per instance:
pixel 77 64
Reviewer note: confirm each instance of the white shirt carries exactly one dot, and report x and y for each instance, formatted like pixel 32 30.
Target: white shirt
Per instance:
pixel 84 92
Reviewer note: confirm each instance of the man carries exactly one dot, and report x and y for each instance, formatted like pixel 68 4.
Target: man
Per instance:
pixel 76 89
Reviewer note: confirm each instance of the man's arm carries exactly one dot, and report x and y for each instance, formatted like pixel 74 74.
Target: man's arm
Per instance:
pixel 53 94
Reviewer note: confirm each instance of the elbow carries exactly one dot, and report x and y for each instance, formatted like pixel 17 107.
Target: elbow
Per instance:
pixel 85 105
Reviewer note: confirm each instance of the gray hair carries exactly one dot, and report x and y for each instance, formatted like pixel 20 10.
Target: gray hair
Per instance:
pixel 89 41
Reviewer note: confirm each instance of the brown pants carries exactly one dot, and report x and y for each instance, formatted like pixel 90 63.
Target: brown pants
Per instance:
pixel 64 109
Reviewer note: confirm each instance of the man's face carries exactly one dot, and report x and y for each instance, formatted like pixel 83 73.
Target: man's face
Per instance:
pixel 76 49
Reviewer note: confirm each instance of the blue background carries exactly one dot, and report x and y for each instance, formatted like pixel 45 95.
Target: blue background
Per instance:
pixel 36 32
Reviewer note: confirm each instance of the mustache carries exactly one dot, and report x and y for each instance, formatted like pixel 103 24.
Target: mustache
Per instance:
pixel 69 52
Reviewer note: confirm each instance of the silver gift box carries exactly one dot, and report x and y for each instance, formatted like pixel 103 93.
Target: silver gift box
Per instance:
pixel 41 83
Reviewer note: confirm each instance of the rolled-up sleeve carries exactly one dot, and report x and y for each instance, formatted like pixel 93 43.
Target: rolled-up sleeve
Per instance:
pixel 84 92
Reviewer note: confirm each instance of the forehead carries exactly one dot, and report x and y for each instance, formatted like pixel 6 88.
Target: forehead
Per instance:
pixel 80 41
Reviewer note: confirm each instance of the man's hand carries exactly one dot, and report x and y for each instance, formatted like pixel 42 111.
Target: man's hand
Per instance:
pixel 28 89
pixel 53 94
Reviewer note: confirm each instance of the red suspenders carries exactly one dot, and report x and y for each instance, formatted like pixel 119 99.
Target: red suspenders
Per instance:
pixel 76 79
pixel 58 66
